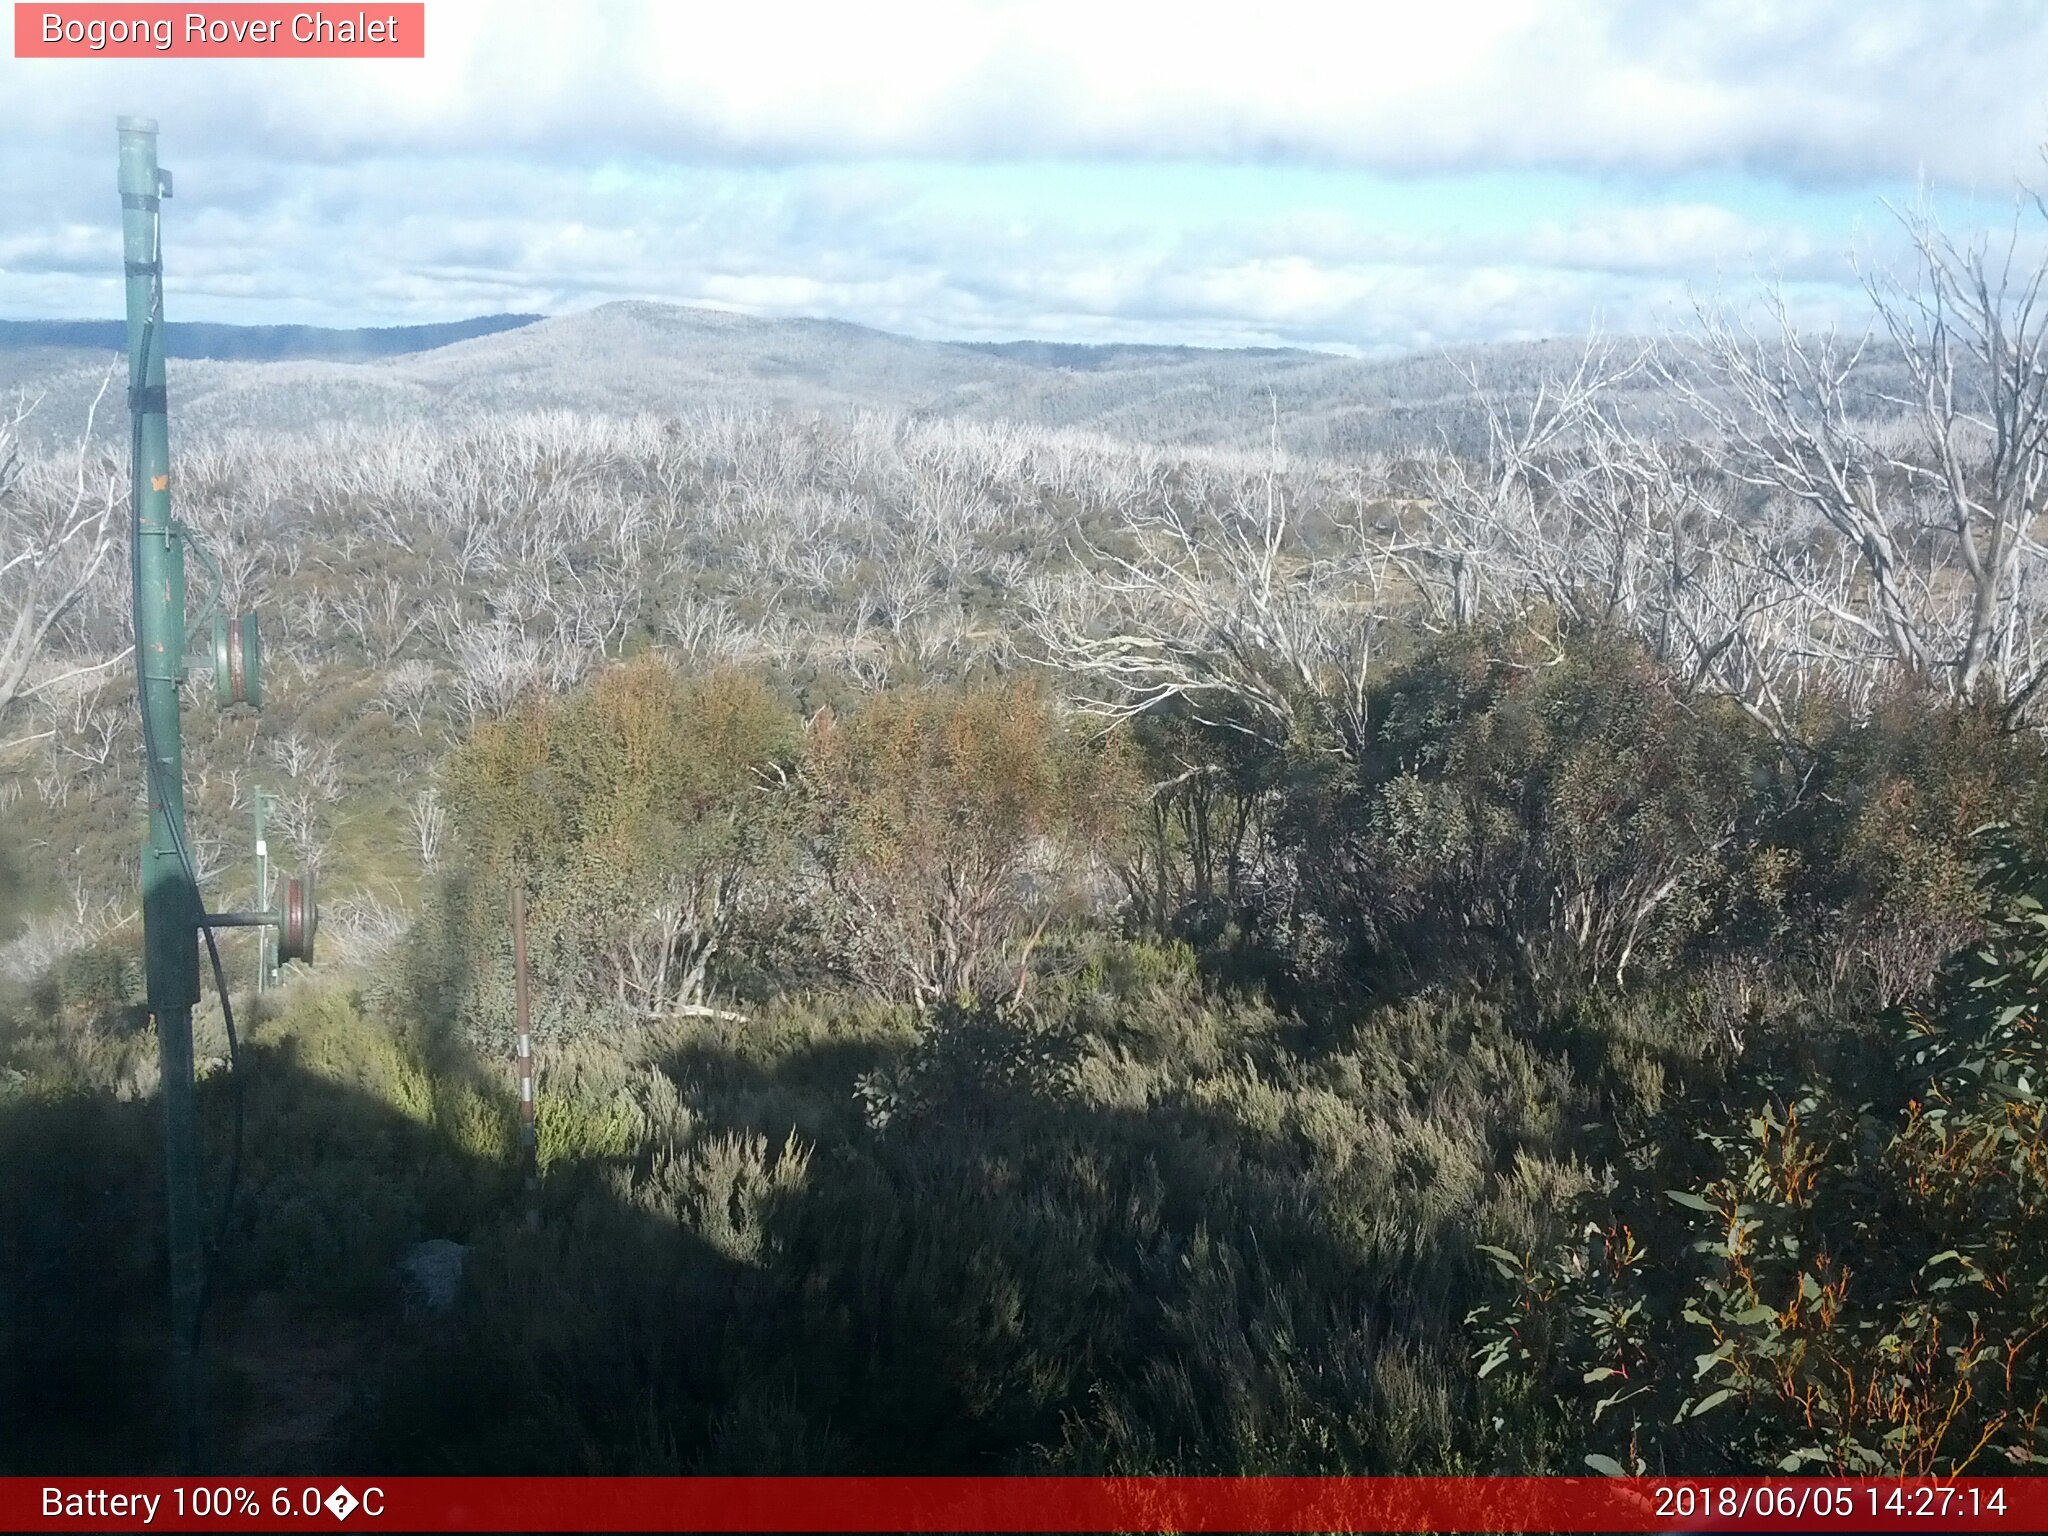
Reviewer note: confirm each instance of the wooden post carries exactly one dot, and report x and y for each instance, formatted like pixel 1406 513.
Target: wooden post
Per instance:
pixel 529 1138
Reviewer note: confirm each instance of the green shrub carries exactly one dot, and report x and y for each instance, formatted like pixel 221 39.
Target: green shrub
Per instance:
pixel 642 818
pixel 1817 1283
pixel 569 1129
pixel 1564 817
pixel 949 831
pixel 1865 879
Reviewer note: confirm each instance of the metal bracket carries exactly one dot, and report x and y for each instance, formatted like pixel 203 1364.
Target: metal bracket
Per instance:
pixel 212 569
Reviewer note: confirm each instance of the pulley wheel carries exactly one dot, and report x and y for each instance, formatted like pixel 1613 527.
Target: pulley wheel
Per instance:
pixel 301 920
pixel 237 661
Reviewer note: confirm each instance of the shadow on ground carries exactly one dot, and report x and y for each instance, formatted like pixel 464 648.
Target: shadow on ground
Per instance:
pixel 965 1271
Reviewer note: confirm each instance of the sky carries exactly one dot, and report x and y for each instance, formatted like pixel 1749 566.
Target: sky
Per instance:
pixel 1365 177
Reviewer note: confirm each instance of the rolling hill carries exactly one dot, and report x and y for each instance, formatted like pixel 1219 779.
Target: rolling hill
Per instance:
pixel 632 357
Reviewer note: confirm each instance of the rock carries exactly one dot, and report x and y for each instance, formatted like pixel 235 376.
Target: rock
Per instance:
pixel 431 1276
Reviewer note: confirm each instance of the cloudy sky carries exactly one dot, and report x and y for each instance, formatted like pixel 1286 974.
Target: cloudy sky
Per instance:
pixel 1368 176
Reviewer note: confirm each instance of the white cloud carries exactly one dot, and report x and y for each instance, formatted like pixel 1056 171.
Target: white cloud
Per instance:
pixel 1824 88
pixel 779 158
pixel 1691 239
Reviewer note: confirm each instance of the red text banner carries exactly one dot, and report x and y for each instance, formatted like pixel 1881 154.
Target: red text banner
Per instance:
pixel 242 31
pixel 1064 1504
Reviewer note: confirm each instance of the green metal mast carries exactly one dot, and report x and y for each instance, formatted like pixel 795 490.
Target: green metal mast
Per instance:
pixel 174 917
pixel 171 909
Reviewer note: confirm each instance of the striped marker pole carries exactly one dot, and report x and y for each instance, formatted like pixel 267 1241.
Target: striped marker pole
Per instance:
pixel 529 1139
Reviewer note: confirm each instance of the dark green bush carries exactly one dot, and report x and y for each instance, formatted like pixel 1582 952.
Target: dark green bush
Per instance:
pixel 1864 878
pixel 1815 1281
pixel 1555 813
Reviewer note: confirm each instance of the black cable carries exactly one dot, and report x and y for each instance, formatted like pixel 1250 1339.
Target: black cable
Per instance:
pixel 161 796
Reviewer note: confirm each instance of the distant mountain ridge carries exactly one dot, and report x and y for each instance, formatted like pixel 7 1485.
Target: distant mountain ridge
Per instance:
pixel 261 343
pixel 638 357
pixel 1089 355
pixel 216 342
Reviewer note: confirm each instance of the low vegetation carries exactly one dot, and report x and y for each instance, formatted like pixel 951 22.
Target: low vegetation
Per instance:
pixel 1005 1115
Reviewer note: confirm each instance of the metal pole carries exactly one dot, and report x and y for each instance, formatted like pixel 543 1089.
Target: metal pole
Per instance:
pixel 170 899
pixel 263 976
pixel 529 1138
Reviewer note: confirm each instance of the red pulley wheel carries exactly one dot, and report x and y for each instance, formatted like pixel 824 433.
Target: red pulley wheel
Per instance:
pixel 301 919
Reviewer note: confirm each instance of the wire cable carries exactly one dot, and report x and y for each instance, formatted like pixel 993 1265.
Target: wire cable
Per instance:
pixel 160 795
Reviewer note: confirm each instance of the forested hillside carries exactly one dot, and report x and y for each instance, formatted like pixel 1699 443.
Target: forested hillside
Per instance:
pixel 1130 937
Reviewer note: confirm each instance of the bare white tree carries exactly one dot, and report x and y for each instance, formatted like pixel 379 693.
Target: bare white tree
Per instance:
pixel 46 939
pixel 704 630
pixel 294 753
pixel 361 928
pixel 495 661
pixel 58 527
pixel 93 732
pixel 1490 536
pixel 408 690
pixel 1904 479
pixel 1571 515
pixel 429 826
pixel 301 822
pixel 1225 608
pixel 382 616
pixel 660 956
